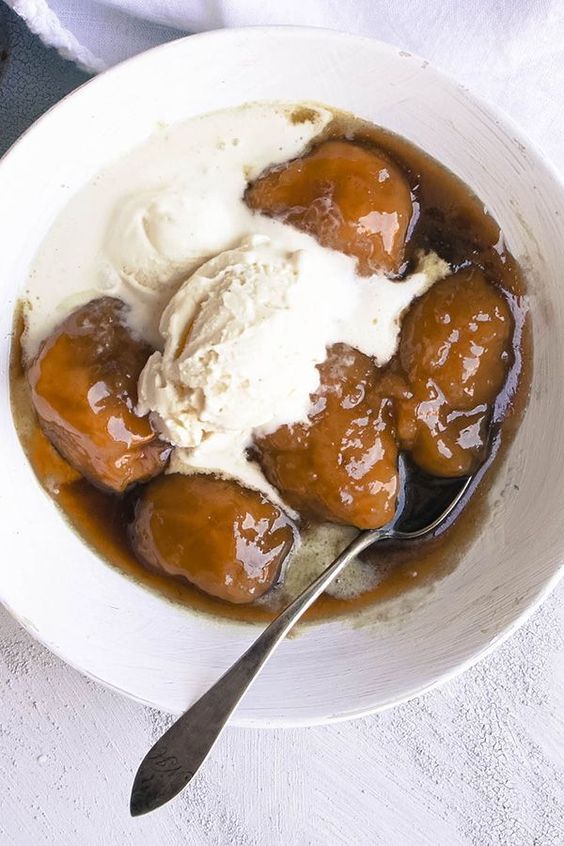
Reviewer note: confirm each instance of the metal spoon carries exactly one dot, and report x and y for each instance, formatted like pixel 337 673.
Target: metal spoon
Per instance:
pixel 426 505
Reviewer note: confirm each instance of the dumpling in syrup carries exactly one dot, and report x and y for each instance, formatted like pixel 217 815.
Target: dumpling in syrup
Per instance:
pixel 227 540
pixel 84 389
pixel 455 351
pixel 351 198
pixel 341 466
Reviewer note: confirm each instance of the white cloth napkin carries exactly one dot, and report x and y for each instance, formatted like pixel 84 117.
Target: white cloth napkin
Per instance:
pixel 509 51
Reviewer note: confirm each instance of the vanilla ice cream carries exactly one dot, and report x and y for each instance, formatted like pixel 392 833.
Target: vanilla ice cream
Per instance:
pixel 144 223
pixel 242 340
pixel 155 239
pixel 239 307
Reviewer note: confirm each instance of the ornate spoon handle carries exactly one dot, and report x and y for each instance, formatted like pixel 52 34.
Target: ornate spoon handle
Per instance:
pixel 177 756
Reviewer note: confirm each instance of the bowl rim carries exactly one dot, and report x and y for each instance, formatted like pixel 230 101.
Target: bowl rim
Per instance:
pixel 501 117
pixel 510 128
pixel 328 719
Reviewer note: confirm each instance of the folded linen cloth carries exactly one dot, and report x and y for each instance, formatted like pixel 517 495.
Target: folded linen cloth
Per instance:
pixel 511 51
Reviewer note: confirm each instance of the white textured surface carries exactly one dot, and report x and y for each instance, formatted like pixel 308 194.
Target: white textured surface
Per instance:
pixel 478 762
pixel 99 620
pixel 475 763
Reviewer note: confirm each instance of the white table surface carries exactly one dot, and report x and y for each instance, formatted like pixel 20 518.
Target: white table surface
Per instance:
pixel 480 761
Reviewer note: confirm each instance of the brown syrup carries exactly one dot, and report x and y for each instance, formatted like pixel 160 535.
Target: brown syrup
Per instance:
pixel 452 221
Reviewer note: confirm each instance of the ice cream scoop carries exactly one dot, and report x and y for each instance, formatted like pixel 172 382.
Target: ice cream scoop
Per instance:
pixel 242 340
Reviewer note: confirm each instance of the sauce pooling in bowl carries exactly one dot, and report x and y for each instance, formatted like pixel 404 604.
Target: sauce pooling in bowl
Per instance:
pixel 441 215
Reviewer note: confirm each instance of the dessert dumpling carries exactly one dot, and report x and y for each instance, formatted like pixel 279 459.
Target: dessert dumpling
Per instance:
pixel 227 540
pixel 443 441
pixel 458 336
pixel 84 390
pixel 351 198
pixel 455 351
pixel 341 466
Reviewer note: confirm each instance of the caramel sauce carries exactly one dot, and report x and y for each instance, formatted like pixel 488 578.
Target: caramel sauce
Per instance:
pixel 452 221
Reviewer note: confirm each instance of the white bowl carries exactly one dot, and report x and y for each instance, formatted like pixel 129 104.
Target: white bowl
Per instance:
pixel 131 639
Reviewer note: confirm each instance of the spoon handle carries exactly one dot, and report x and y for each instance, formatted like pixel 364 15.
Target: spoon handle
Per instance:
pixel 178 755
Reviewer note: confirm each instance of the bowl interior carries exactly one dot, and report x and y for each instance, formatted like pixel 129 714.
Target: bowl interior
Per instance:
pixel 133 640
